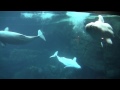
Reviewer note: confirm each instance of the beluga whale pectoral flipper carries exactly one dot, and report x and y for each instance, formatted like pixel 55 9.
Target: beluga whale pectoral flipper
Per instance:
pixel 9 37
pixel 66 61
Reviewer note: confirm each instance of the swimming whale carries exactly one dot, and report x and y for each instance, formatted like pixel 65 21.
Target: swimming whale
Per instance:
pixel 9 37
pixel 66 61
pixel 100 30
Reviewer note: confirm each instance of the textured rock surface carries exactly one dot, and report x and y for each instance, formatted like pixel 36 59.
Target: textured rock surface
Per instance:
pixel 105 60
pixel 32 64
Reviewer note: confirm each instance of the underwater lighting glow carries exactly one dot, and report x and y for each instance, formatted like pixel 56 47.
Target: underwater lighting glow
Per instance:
pixel 47 15
pixel 38 15
pixel 77 19
pixel 27 15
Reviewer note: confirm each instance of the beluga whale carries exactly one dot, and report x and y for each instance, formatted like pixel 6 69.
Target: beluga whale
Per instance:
pixel 66 61
pixel 100 31
pixel 9 37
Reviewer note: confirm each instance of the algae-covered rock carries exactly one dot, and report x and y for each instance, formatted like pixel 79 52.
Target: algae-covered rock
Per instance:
pixel 32 72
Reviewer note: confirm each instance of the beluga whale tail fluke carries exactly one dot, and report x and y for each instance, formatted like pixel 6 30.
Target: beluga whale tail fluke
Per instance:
pixel 40 34
pixel 66 61
pixel 9 37
pixel 54 55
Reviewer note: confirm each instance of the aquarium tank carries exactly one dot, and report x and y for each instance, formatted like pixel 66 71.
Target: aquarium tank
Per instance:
pixel 59 45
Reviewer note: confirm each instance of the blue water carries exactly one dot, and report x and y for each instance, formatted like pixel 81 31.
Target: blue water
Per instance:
pixel 31 61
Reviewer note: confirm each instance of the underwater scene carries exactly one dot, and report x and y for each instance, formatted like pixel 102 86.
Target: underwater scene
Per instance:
pixel 59 45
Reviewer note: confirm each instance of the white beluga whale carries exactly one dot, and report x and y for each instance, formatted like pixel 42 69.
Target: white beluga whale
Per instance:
pixel 9 37
pixel 66 61
pixel 100 31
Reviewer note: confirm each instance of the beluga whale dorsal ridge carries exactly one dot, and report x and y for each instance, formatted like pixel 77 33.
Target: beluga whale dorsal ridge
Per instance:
pixel 6 29
pixel 9 37
pixel 66 61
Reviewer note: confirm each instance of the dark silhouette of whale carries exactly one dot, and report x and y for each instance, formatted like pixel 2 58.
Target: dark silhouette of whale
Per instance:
pixel 9 37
